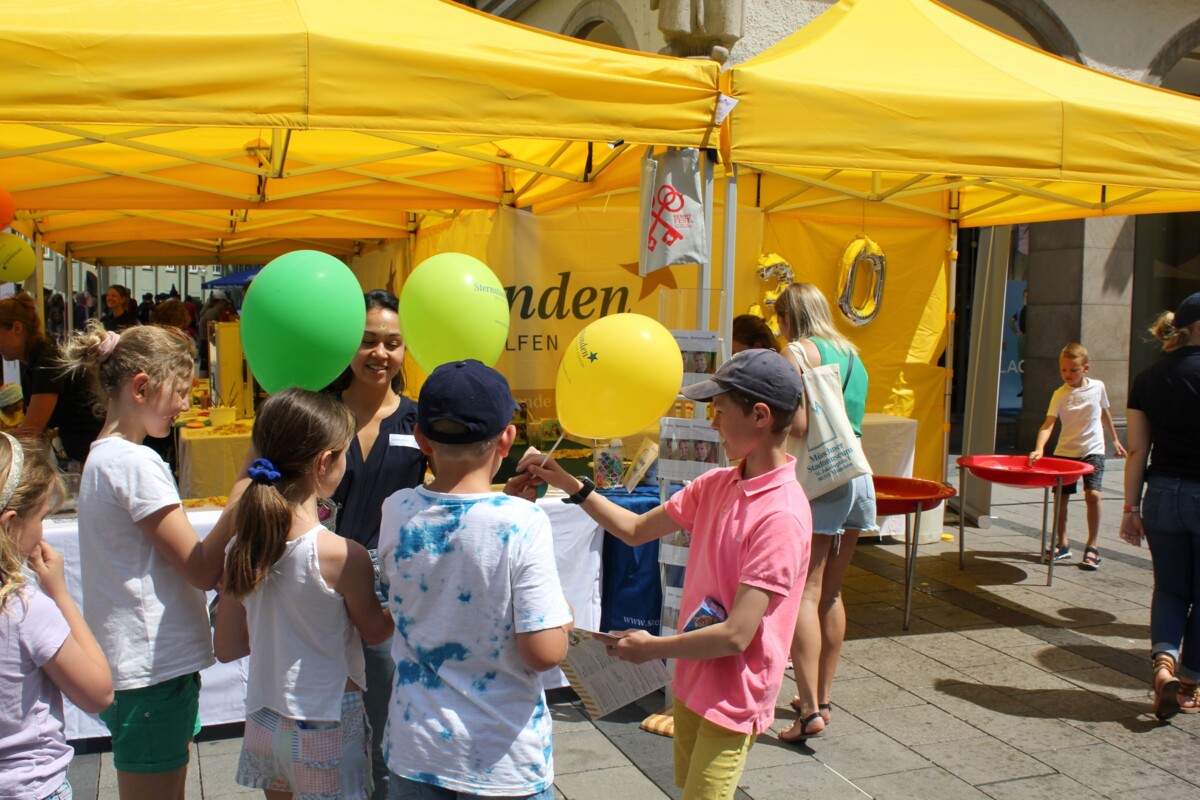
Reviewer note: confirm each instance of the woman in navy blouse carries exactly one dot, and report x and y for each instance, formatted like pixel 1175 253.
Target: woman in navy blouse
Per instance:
pixel 383 459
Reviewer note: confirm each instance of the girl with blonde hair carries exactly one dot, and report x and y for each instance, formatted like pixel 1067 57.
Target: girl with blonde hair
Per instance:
pixel 46 648
pixel 296 593
pixel 838 516
pixel 144 570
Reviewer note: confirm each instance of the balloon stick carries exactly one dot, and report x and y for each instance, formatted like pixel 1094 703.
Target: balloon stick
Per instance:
pixel 552 449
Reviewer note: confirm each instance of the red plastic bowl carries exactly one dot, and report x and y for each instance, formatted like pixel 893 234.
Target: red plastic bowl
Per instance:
pixel 905 495
pixel 1015 470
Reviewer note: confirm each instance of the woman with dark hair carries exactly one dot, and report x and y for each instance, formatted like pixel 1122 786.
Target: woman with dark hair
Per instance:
pixel 53 398
pixel 750 333
pixel 1161 420
pixel 122 311
pixel 383 458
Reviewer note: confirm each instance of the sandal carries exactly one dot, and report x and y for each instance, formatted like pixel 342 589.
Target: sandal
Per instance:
pixel 1166 692
pixel 804 735
pixel 1091 559
pixel 1189 697
pixel 826 710
pixel 1061 552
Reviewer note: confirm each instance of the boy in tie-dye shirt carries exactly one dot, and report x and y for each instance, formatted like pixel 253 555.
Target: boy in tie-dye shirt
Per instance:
pixel 473 588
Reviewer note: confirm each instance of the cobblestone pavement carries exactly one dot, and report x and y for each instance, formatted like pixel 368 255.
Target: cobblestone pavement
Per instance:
pixel 1002 688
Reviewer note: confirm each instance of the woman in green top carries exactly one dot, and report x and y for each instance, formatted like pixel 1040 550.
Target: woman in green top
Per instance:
pixel 838 516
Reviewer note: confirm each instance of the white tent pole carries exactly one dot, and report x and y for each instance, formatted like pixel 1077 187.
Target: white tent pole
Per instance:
pixel 729 259
pixel 702 302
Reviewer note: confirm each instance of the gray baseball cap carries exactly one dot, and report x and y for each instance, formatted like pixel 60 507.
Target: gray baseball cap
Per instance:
pixel 761 375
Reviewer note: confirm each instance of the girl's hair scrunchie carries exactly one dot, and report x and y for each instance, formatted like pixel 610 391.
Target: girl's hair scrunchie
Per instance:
pixel 106 347
pixel 263 471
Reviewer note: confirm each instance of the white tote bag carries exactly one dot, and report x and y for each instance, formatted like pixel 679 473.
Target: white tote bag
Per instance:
pixel 830 455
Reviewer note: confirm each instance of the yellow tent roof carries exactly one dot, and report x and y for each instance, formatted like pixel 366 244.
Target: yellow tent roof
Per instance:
pixel 900 101
pixel 311 106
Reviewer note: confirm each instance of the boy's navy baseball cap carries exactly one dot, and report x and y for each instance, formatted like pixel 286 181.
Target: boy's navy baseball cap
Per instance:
pixel 469 393
pixel 764 376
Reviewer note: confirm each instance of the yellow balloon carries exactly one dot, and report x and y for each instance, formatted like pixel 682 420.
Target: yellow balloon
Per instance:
pixel 618 375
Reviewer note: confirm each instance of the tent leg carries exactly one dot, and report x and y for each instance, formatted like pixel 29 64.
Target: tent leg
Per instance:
pixel 729 259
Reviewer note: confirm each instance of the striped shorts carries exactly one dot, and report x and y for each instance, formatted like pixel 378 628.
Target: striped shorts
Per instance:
pixel 314 760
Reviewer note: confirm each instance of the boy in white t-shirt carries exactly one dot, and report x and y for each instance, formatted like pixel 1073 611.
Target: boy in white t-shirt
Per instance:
pixel 1082 405
pixel 473 588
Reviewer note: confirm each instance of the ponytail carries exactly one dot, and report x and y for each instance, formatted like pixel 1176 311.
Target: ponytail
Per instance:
pixel 112 359
pixel 1169 337
pixel 292 430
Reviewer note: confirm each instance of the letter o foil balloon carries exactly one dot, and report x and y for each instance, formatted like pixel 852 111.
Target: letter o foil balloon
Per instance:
pixel 452 308
pixel 17 260
pixel 302 321
pixel 617 377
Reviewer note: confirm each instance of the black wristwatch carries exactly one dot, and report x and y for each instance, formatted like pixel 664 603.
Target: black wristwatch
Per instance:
pixel 589 486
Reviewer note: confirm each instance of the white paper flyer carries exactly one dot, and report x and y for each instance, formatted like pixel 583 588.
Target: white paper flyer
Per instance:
pixel 604 683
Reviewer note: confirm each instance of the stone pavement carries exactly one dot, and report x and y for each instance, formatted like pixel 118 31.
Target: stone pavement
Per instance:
pixel 1002 688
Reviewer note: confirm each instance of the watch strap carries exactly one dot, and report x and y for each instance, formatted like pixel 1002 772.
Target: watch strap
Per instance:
pixel 589 486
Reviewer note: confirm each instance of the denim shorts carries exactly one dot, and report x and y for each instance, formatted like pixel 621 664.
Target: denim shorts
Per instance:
pixel 152 726
pixel 851 506
pixel 313 760
pixel 1093 480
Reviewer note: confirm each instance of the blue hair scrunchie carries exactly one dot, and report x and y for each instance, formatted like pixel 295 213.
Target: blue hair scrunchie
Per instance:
pixel 263 471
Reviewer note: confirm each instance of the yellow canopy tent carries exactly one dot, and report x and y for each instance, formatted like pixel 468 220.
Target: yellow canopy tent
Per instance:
pixel 900 102
pixel 206 124
pixel 887 115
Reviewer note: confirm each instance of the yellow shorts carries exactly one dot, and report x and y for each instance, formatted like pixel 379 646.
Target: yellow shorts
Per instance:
pixel 709 759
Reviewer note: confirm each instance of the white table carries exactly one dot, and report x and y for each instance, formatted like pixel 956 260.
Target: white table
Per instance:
pixel 890 445
pixel 577 546
pixel 223 692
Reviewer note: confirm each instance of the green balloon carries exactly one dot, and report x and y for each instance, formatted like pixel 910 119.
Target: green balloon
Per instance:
pixel 452 308
pixel 302 321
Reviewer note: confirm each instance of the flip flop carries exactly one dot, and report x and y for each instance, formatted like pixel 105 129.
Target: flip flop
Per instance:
pixel 1091 559
pixel 804 735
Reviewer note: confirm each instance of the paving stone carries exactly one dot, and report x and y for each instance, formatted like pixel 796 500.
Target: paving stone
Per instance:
pixel 811 779
pixel 1019 678
pixel 864 755
pixel 866 694
pixel 604 784
pixel 84 775
pixel 584 751
pixel 1041 787
pixel 982 760
pixel 1106 769
pixel 1034 735
pixel 955 650
pixel 216 774
pixel 919 725
pixel 933 783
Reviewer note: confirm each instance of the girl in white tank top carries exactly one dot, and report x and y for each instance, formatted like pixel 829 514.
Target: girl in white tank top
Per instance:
pixel 296 599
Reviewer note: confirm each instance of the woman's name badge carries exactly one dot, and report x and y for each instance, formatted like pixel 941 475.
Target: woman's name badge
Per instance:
pixel 402 440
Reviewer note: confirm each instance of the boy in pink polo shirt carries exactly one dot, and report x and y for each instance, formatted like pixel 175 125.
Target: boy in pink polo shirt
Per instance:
pixel 751 531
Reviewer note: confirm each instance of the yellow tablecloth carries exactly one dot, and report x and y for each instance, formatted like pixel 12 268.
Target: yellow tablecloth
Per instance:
pixel 209 458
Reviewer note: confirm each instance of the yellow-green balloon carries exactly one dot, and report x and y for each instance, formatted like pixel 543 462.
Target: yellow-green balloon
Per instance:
pixel 302 321
pixel 452 308
pixel 17 260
